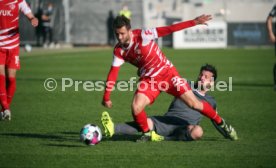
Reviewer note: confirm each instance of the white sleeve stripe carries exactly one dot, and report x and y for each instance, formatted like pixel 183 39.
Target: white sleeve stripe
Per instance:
pixel 24 7
pixel 117 61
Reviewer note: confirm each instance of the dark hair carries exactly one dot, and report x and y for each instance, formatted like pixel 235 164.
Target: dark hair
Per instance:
pixel 210 68
pixel 121 21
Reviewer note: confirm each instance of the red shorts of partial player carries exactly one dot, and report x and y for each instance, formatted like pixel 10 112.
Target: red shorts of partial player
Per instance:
pixel 10 58
pixel 168 80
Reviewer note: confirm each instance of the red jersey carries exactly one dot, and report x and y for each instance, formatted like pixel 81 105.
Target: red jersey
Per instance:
pixel 9 22
pixel 143 52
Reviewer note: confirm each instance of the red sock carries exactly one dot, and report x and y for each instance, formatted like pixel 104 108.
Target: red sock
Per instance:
pixel 209 112
pixel 141 120
pixel 11 89
pixel 3 93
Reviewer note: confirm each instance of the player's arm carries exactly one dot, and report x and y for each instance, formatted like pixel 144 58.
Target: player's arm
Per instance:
pixel 166 30
pixel 24 7
pixel 270 29
pixel 111 80
pixel 269 26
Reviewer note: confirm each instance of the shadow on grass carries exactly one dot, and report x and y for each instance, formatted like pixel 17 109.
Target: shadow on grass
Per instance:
pixel 213 139
pixel 132 138
pixel 65 146
pixel 61 138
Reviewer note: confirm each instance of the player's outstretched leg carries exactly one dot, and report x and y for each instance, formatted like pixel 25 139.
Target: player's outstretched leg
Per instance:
pixel 107 124
pixel 226 130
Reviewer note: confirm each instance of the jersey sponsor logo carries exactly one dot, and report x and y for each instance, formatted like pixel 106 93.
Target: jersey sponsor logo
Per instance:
pixel 6 13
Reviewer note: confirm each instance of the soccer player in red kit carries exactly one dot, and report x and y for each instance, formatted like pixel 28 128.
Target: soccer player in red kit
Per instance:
pixel 9 49
pixel 156 72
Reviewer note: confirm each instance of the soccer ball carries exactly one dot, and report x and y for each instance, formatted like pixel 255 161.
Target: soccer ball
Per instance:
pixel 90 134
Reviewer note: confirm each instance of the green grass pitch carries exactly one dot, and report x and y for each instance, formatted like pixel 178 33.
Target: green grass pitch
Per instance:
pixel 44 131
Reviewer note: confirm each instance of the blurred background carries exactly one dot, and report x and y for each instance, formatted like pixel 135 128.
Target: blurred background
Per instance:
pixel 236 23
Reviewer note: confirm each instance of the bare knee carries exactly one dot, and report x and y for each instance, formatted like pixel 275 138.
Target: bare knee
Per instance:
pixel 140 101
pixel 136 108
pixel 196 132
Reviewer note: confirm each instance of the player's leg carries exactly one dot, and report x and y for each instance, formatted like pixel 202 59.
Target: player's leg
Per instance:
pixel 5 111
pixel 206 109
pixel 202 106
pixel 127 128
pixel 12 65
pixel 11 84
pixel 132 128
pixel 10 89
pixel 140 101
pixel 145 94
pixel 196 131
pixel 110 128
pixel 3 91
pixel 180 88
pixel 186 133
pixel 164 126
pixel 143 97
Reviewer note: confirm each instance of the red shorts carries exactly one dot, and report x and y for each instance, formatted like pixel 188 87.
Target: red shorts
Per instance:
pixel 167 81
pixel 10 58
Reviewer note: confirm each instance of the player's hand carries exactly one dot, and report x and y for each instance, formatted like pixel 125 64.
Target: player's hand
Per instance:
pixel 107 104
pixel 202 19
pixel 34 22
